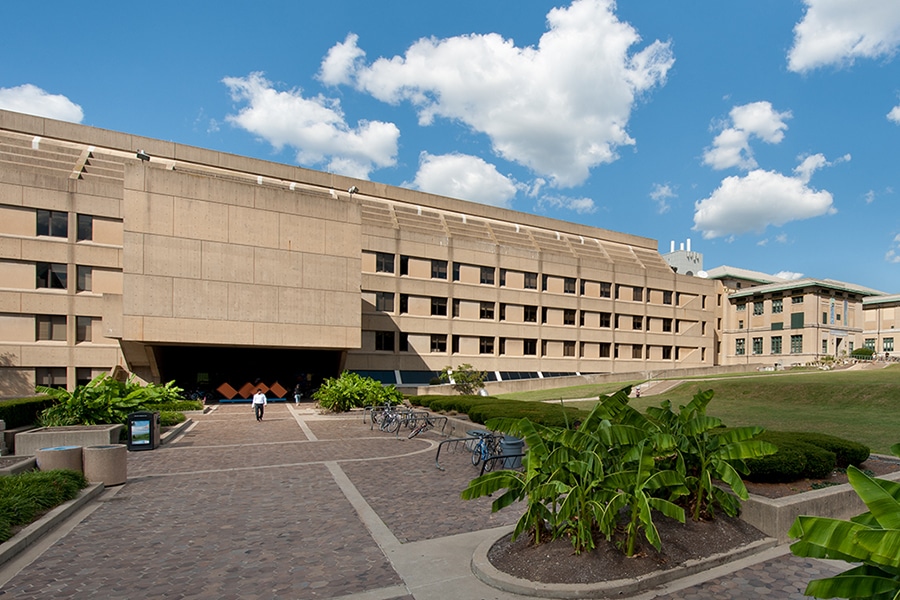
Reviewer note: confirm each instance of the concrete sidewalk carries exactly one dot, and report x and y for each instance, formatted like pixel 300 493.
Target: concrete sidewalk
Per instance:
pixel 303 505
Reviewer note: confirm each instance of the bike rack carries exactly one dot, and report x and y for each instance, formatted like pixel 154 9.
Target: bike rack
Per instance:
pixel 454 443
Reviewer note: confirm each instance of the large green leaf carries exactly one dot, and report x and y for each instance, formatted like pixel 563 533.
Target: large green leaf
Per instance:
pixel 880 503
pixel 827 538
pixel 883 545
pixel 860 582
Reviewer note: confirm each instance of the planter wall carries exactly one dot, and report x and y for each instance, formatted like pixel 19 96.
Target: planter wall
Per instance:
pixel 774 516
pixel 29 442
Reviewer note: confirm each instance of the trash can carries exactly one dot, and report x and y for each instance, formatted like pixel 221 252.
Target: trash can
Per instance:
pixel 143 430
pixel 512 447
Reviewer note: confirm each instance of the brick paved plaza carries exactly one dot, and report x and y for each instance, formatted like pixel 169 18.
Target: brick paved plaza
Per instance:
pixel 299 506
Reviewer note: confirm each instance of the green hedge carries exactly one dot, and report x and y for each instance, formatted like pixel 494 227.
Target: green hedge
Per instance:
pixel 481 408
pixel 179 406
pixel 19 412
pixel 803 455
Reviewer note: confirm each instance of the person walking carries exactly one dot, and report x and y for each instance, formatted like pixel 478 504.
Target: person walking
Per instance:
pixel 298 393
pixel 259 404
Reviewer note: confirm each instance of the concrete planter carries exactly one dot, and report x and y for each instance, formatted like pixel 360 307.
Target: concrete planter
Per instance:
pixel 29 442
pixel 774 516
pixel 106 464
pixel 59 457
pixel 13 465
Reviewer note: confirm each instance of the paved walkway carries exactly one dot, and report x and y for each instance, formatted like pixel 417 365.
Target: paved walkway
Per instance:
pixel 302 506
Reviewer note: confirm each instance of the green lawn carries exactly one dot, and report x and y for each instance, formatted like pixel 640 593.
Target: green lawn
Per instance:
pixel 862 406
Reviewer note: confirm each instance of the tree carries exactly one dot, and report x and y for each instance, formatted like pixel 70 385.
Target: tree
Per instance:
pixel 465 379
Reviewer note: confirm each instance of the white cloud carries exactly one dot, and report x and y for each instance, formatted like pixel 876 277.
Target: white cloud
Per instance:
pixel 894 115
pixel 731 148
pixel 837 32
pixel 463 176
pixel 661 194
pixel 893 255
pixel 314 127
pixel 581 206
pixel 813 163
pixel 341 62
pixel 756 200
pixel 560 108
pixel 32 100
pixel 789 275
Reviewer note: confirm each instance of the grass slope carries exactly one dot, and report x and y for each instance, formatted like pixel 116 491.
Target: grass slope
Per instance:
pixel 863 406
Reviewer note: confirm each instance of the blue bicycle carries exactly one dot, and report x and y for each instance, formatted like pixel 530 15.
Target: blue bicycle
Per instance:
pixel 482 449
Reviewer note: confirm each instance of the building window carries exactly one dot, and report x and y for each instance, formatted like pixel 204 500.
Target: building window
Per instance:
pixel 667 325
pixel 384 262
pixel 776 345
pixel 529 314
pixel 887 345
pixel 758 308
pixel 84 278
pixel 487 310
pixel 487 275
pixel 438 307
pixel 796 299
pixel 796 320
pixel 739 347
pixel 51 275
pixel 456 304
pixel 50 328
pixel 741 307
pixel 530 281
pixel 637 294
pixel 544 315
pixel 529 347
pixel 384 301
pixel 384 341
pixel 50 376
pixel 757 345
pixel 667 297
pixel 605 290
pixel 404 265
pixel 404 304
pixel 604 349
pixel 637 351
pixel 569 317
pixel 568 285
pixel 403 342
pixel 870 344
pixel 85 228
pixel 454 344
pixel 455 271
pixel 439 269
pixel 824 346
pixel 501 346
pixel 824 318
pixel 605 319
pixel 637 323
pixel 796 344
pixel 741 324
pixel 486 345
pixel 777 306
pixel 83 329
pixel 667 352
pixel 53 223
pixel 568 348
pixel 439 343
pixel 502 315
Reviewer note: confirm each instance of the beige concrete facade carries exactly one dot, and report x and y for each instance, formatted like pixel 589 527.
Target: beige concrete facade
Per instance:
pixel 206 267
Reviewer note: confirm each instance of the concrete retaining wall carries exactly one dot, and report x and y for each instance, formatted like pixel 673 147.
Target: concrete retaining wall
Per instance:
pixel 29 442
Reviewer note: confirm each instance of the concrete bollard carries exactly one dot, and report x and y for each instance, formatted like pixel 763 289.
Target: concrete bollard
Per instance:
pixel 59 457
pixel 106 464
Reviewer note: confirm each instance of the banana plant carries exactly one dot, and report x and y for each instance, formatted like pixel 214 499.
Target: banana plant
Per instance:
pixel 870 540
pixel 706 452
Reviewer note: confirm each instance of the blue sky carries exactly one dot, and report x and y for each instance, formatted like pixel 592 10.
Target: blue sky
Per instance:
pixel 766 131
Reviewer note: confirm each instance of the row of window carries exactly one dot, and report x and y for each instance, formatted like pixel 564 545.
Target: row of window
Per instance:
pixel 52 328
pixel 55 223
pixel 887 344
pixel 55 276
pixel 384 263
pixel 384 302
pixel 385 342
pixel 56 376
pixel 740 345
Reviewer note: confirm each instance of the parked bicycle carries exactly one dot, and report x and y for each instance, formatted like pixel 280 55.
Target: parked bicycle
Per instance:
pixel 484 448
pixel 425 425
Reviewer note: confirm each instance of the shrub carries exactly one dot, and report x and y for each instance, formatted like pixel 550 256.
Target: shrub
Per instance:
pixel 352 390
pixel 178 406
pixel 794 460
pixel 862 353
pixel 169 418
pixel 846 452
pixel 20 412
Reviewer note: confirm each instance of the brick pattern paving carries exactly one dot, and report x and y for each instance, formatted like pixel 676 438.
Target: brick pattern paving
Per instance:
pixel 240 509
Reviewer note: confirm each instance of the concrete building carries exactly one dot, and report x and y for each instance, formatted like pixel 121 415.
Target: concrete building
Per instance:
pixel 216 270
